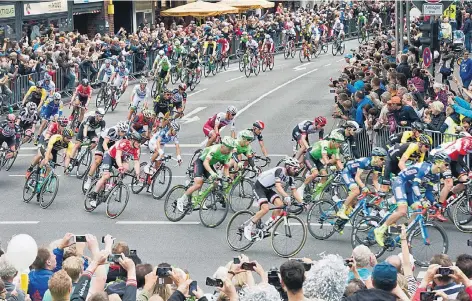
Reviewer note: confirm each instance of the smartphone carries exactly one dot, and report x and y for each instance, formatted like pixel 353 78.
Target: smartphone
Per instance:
pixel 332 91
pixel 80 238
pixel 115 258
pixel 214 282
pixel 307 266
pixel 394 230
pixel 103 239
pixel 132 253
pixel 450 77
pixel 348 262
pixel 248 266
pixel 163 272
pixel 469 242
pixel 236 260
pixel 427 296
pixel 192 287
pixel 445 271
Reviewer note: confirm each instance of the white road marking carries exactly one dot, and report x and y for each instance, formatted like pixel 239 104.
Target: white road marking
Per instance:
pixel 194 111
pixel 231 69
pixel 196 92
pixel 340 60
pixel 193 119
pixel 24 175
pixel 19 222
pixel 327 65
pixel 236 78
pixel 26 155
pixel 155 223
pixel 29 148
pixel 301 67
pixel 181 145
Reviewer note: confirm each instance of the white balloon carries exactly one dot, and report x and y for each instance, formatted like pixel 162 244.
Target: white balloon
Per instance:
pixel 21 251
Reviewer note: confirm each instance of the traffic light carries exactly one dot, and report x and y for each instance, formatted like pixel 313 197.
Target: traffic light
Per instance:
pixel 426 35
pixel 435 35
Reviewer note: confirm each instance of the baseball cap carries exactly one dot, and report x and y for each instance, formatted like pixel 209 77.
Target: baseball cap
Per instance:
pixel 384 274
pixel 395 100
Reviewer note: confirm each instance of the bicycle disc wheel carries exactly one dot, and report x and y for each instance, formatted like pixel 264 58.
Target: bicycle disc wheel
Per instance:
pixel 363 234
pixel 161 182
pixel 462 215
pixel 422 248
pixel 241 195
pixel 48 191
pixel 87 205
pixel 213 209
pixel 135 188
pixel 170 204
pixel 288 236
pixel 118 196
pixel 83 165
pixel 29 190
pixel 321 219
pixel 235 231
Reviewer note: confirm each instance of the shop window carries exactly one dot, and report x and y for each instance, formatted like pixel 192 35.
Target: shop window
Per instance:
pixel 7 31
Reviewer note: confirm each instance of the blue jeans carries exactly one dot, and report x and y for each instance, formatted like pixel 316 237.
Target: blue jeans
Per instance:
pixel 467 41
pixel 453 25
pixel 466 83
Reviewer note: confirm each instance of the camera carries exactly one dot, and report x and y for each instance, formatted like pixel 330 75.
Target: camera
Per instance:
pixel 348 262
pixel 445 271
pixel 248 266
pixel 427 296
pixel 274 280
pixel 80 238
pixel 214 282
pixel 163 272
pixel 236 260
pixel 115 258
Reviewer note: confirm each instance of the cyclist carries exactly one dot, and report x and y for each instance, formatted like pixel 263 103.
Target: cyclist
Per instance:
pixel 315 34
pixel 54 128
pixel 118 156
pixel 223 44
pixel 243 147
pixel 108 69
pixel 162 66
pixel 140 94
pixel 417 128
pixel 179 98
pixel 243 41
pixel 107 139
pixel 163 102
pixel 36 94
pixel 348 130
pixel 361 21
pixel 52 109
pixel 157 144
pixel 10 133
pixel 401 153
pixel 406 189
pixel 55 144
pixel 88 129
pixel 120 79
pixel 338 29
pixel 27 119
pixel 212 127
pixel 268 44
pixel 192 59
pixel 457 152
pixel 351 177
pixel 179 50
pixel 318 156
pixel 252 46
pixel 269 188
pixel 143 123
pixel 377 21
pixel 81 98
pixel 48 85
pixel 204 166
pixel 301 131
pixel 257 128
pixel 210 46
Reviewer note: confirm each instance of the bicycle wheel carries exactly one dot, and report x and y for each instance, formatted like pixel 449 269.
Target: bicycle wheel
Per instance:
pixel 462 215
pixel 241 64
pixel 119 196
pixel 29 190
pixel 48 190
pixel 98 100
pixel 363 234
pixel 174 75
pixel 264 64
pixel 321 219
pixel 83 166
pixel 241 195
pixel 214 67
pixel 235 231
pixel 360 37
pixel 206 69
pixel 293 50
pixel 161 182
pixel 286 51
pixel 342 48
pixel 84 180
pixel 213 209
pixel 334 48
pixel 170 204
pixel 248 69
pixel 192 82
pixel 333 189
pixel 288 236
pixel 257 69
pixel 198 75
pixel 226 63
pixel 301 55
pixel 87 205
pixel 423 252
pixel 154 89
pixel 9 162
pixel 135 188
pixel 271 62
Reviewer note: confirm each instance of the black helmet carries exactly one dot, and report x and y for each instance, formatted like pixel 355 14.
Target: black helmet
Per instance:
pixel 85 82
pixel 135 136
pixel 441 156
pixel 419 126
pixel 379 151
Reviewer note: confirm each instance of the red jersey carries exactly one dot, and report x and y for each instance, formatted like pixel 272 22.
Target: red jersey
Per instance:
pixel 84 91
pixel 52 129
pixel 460 147
pixel 139 122
pixel 126 148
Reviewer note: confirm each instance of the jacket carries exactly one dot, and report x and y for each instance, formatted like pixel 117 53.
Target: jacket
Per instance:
pixel 405 69
pixel 372 295
pixel 462 107
pixel 38 283
pixel 10 287
pixel 83 285
pixel 406 113
pixel 436 121
pixel 465 70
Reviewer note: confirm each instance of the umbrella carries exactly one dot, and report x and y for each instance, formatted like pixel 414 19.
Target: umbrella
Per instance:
pixel 200 9
pixel 248 4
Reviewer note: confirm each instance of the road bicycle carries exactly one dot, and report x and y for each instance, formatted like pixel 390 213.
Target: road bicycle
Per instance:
pixel 83 160
pixel 95 176
pixel 103 95
pixel 209 65
pixel 322 219
pixel 4 162
pixel 289 47
pixel 363 36
pixel 268 61
pixel 338 46
pixel 44 183
pixel 210 201
pixel 323 46
pixel 115 193
pixel 421 233
pixel 243 60
pixel 176 72
pixel 288 234
pixel 192 77
pixel 254 66
pixel 305 52
pixel 332 187
pixel 462 211
pixel 113 100
pixel 223 61
pixel 159 181
pixel 75 123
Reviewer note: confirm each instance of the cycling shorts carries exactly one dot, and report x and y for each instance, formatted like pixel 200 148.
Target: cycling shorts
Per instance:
pixel 403 192
pixel 311 162
pixel 25 125
pixel 9 140
pixel 82 99
pixel 161 109
pixel 163 73
pixel 264 195
pixel 208 129
pixel 100 150
pixel 108 163
pixel 47 114
pixel 456 169
pixel 90 134
pixel 199 170
pixel 42 150
pixel 348 180
pixel 297 135
pixel 391 166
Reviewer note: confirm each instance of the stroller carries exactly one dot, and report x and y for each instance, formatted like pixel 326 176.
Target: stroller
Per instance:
pixel 458 45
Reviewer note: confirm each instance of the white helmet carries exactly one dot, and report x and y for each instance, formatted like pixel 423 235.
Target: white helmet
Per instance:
pixel 57 95
pixel 267 36
pixel 161 52
pixel 31 106
pixel 122 126
pixel 100 111
pixel 291 162
pixel 192 49
pixel 232 110
pixel 143 81
pixel 175 126
pixel 361 14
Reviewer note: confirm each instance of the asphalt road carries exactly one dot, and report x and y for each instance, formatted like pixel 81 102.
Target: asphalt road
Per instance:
pixel 281 98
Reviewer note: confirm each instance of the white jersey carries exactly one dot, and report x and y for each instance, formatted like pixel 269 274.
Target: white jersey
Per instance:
pixel 270 177
pixel 140 95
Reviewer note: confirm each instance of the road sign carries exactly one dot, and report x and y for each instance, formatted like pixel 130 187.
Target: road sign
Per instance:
pixel 432 9
pixel 419 4
pixel 427 57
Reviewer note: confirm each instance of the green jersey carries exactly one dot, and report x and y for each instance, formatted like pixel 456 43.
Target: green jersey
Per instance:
pixel 362 20
pixel 164 63
pixel 322 147
pixel 214 153
pixel 244 150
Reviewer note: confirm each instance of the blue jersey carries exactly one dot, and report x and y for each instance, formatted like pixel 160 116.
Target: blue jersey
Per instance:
pixel 50 108
pixel 165 136
pixel 417 174
pixel 362 163
pixel 123 72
